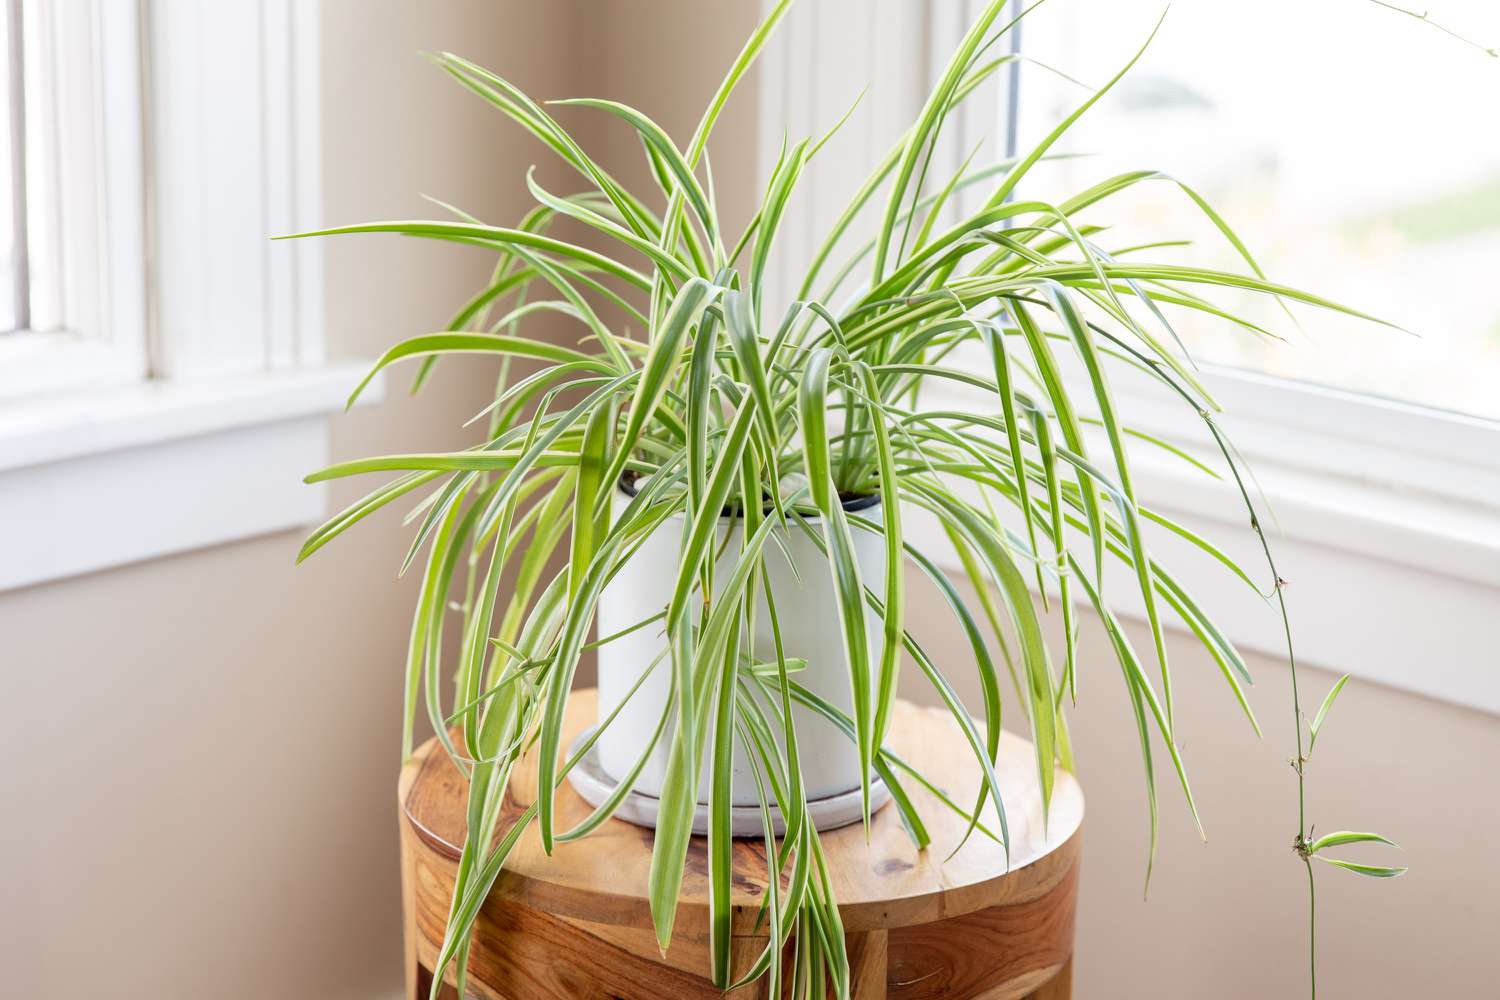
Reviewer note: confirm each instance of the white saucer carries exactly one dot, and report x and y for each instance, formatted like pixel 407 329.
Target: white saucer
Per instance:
pixel 591 782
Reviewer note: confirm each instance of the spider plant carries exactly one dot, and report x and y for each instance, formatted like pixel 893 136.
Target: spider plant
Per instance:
pixel 774 411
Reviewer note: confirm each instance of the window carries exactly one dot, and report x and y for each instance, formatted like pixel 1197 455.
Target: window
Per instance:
pixel 193 395
pixel 15 284
pixel 1348 145
pixel 71 218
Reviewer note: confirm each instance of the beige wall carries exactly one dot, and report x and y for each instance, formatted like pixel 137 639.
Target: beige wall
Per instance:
pixel 1226 919
pixel 198 783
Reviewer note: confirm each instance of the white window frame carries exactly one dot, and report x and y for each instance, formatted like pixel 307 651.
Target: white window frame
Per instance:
pixel 185 409
pixel 1386 514
pixel 91 331
pixel 219 190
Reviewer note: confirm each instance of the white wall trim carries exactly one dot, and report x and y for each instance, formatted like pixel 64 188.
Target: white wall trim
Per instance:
pixel 1386 582
pixel 86 229
pixel 233 117
pixel 1324 431
pixel 91 482
pixel 76 425
pixel 803 94
pixel 1398 483
pixel 72 517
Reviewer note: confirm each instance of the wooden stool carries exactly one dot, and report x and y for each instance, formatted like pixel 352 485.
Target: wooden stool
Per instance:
pixel 578 924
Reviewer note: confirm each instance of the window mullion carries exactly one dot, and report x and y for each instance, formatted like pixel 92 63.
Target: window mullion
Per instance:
pixel 20 258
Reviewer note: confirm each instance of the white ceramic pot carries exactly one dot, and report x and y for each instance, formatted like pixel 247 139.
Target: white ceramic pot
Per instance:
pixel 808 613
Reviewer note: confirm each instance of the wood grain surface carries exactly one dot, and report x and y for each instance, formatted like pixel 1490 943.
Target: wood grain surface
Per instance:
pixel 920 924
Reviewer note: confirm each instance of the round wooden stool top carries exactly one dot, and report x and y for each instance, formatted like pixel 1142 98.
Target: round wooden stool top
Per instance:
pixel 977 909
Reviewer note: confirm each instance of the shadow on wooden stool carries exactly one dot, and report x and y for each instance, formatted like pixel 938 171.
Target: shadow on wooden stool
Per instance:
pixel 578 924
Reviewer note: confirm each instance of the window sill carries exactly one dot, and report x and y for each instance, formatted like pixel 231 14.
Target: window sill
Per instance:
pixel 1388 580
pixel 153 468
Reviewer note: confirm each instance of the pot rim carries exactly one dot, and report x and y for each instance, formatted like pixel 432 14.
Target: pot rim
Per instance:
pixel 626 486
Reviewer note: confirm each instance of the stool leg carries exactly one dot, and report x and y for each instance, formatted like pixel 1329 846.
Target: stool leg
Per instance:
pixel 412 985
pixel 867 965
pixel 1060 987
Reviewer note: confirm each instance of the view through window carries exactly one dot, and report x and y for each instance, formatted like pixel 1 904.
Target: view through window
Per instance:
pixel 1355 149
pixel 12 194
